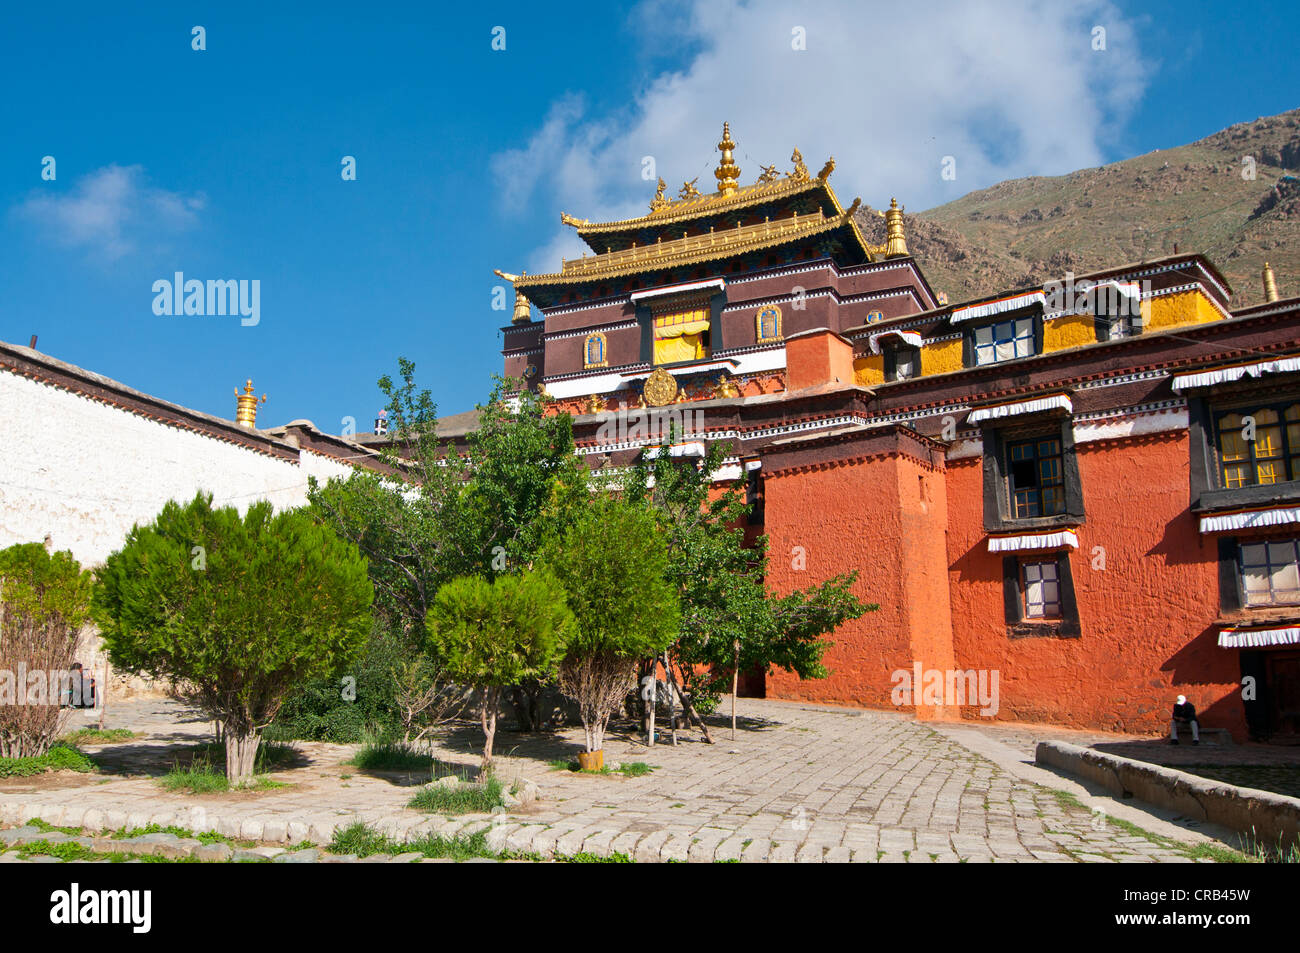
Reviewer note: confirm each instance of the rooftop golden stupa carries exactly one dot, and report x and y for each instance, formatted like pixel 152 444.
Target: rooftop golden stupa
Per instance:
pixel 696 227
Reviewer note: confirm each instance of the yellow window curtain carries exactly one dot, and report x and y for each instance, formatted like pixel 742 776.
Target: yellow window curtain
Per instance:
pixel 679 336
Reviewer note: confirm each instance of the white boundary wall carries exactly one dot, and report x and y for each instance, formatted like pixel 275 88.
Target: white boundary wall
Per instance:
pixel 83 472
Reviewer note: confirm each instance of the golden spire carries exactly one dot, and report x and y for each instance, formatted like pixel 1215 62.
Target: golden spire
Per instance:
pixel 1270 285
pixel 246 407
pixel 727 173
pixel 895 243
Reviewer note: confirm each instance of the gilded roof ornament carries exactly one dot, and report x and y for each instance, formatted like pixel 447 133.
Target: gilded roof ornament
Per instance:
pixel 800 173
pixel 523 310
pixel 769 174
pixel 246 406
pixel 1270 283
pixel 567 219
pixel 727 173
pixel 895 243
pixel 688 189
pixel 827 169
pixel 659 201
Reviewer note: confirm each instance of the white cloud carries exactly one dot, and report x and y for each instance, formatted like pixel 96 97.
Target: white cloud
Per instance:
pixel 1009 88
pixel 111 212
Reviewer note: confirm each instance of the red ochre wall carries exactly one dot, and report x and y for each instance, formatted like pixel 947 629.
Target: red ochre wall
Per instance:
pixel 1146 618
pixel 885 517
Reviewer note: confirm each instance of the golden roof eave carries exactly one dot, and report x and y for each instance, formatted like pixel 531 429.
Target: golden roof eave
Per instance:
pixel 695 207
pixel 701 248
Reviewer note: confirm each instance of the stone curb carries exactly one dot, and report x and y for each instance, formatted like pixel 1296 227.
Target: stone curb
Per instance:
pixel 1270 819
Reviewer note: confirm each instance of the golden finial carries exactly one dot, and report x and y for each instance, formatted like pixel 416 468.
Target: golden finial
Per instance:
pixel 827 169
pixel 1270 284
pixel 246 406
pixel 895 243
pixel 523 313
pixel 727 173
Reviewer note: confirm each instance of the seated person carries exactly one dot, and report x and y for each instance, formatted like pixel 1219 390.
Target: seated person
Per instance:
pixel 1184 715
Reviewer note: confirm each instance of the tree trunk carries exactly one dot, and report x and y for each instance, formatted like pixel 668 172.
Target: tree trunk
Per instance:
pixel 690 709
pixel 488 717
pixel 735 686
pixel 241 753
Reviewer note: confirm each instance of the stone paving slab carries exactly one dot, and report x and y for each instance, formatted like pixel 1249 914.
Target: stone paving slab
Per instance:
pixel 798 783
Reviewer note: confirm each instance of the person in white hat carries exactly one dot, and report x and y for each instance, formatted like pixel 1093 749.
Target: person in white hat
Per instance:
pixel 1184 714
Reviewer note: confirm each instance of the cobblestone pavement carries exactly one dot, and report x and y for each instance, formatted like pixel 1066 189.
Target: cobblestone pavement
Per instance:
pixel 799 783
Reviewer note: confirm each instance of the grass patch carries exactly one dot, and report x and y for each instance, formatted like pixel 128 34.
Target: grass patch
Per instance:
pixel 202 777
pixel 390 756
pixel 205 772
pixel 97 736
pixel 365 841
pixel 60 757
pixel 629 769
pixel 73 852
pixel 460 798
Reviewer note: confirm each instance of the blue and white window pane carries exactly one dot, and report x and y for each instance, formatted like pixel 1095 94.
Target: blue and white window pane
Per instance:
pixel 1004 341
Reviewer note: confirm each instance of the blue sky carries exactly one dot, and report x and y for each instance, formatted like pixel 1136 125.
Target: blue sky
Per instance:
pixel 225 163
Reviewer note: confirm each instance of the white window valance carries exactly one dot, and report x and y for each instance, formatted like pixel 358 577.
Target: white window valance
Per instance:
pixel 678 289
pixel 1258 638
pixel 907 337
pixel 1056 540
pixel 990 308
pixel 693 448
pixel 1036 406
pixel 1250 519
pixel 1223 375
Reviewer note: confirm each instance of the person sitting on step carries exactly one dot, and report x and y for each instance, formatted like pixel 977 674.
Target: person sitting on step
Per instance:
pixel 1184 715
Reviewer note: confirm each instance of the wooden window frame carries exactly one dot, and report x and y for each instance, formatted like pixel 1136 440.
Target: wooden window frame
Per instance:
pixel 1019 624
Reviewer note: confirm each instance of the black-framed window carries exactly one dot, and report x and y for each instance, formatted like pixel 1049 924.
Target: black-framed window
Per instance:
pixel 1035 477
pixel 1257 446
pixel 1038 591
pixel 1270 572
pixel 902 362
pixel 1031 476
pixel 1004 340
pixel 1122 324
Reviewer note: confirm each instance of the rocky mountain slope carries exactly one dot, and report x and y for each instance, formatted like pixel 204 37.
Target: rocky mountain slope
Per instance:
pixel 1189 198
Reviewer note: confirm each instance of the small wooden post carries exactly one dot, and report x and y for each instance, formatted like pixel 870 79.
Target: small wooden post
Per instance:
pixel 103 691
pixel 653 691
pixel 672 690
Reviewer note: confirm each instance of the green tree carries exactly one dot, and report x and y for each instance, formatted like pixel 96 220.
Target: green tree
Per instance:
pixel 477 508
pixel 612 560
pixel 414 522
pixel 44 601
pixel 730 621
pixel 236 612
pixel 491 635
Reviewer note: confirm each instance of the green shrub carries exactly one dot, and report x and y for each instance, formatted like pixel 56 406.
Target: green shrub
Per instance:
pixel 387 755
pixel 60 757
pixel 460 798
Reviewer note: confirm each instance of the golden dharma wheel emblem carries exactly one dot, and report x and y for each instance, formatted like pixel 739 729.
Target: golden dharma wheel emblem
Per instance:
pixel 660 388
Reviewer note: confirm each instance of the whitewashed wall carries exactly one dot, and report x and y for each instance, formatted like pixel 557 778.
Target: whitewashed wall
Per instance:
pixel 84 472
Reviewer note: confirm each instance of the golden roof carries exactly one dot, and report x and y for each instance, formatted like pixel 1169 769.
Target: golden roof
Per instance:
pixel 705 247
pixel 702 247
pixel 730 194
